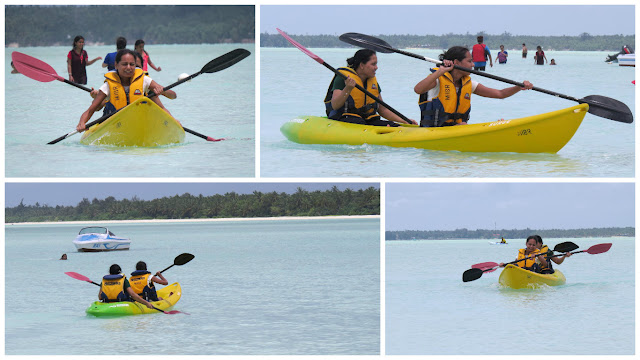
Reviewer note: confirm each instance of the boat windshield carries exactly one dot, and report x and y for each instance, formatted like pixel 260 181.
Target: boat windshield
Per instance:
pixel 93 230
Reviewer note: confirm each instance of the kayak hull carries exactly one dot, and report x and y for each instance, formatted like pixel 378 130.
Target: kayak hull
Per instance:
pixel 544 133
pixel 142 123
pixel 497 243
pixel 170 295
pixel 518 278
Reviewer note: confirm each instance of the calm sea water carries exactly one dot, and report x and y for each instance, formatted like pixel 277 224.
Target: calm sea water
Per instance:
pixel 292 84
pixel 429 310
pixel 220 105
pixel 261 287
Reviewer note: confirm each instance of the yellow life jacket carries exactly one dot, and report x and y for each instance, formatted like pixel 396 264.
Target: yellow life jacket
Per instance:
pixel 358 103
pixel 139 281
pixel 450 107
pixel 117 96
pixel 528 263
pixel 112 288
pixel 549 266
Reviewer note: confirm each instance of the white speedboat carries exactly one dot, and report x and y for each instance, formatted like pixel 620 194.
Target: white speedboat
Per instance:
pixel 627 60
pixel 97 238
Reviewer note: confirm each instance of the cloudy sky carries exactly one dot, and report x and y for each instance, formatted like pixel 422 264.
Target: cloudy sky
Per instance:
pixel 53 194
pixel 543 20
pixel 450 206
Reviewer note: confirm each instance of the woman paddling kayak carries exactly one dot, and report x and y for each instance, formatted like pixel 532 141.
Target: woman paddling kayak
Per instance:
pixel 123 86
pixel 531 257
pixel 439 106
pixel 344 102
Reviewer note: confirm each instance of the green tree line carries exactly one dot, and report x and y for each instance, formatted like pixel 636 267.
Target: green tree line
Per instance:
pixel 515 234
pixel 187 206
pixel 583 42
pixel 58 25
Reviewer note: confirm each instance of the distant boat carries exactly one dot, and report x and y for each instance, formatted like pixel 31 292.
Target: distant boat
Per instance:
pixel 97 238
pixel 503 242
pixel 627 60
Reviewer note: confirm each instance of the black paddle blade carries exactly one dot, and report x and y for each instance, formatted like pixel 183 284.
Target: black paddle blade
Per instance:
pixel 565 247
pixel 183 259
pixel 471 274
pixel 367 42
pixel 608 108
pixel 225 61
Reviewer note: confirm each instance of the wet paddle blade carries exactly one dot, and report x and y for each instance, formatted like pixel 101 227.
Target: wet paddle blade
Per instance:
pixel 565 247
pixel 471 274
pixel 484 265
pixel 300 47
pixel 225 61
pixel 608 108
pixel 599 249
pixel 367 42
pixel 183 259
pixel 77 276
pixel 33 68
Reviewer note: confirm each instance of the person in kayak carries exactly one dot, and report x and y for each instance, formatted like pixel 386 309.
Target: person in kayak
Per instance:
pixel 142 281
pixel 110 60
pixel 146 60
pixel 78 60
pixel 344 102
pixel 437 105
pixel 115 288
pixel 531 257
pixel 167 93
pixel 544 249
pixel 123 86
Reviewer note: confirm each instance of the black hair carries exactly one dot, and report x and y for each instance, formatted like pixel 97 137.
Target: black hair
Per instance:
pixel 538 238
pixel 137 55
pixel 124 52
pixel 480 39
pixel 75 40
pixel 138 42
pixel 115 269
pixel 141 265
pixel 454 53
pixel 534 237
pixel 361 56
pixel 121 43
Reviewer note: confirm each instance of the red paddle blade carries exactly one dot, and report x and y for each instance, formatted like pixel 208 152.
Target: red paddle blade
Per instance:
pixel 34 68
pixel 77 276
pixel 176 312
pixel 484 265
pixel 302 48
pixel 599 249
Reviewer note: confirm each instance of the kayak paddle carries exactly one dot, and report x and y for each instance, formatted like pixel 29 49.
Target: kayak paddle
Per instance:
pixel 172 312
pixel 220 63
pixel 77 276
pixel 338 73
pixel 602 106
pixel 477 270
pixel 38 70
pixel 180 260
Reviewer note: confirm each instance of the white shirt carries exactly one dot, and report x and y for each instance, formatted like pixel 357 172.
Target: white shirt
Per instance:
pixel 431 94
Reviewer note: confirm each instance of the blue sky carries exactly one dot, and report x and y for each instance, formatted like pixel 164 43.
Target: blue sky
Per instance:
pixel 53 194
pixel 450 206
pixel 542 20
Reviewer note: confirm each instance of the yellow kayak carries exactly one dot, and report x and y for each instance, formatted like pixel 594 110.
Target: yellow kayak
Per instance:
pixel 141 123
pixel 519 278
pixel 544 133
pixel 170 295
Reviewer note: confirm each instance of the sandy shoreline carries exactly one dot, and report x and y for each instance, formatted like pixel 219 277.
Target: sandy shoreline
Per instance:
pixel 199 220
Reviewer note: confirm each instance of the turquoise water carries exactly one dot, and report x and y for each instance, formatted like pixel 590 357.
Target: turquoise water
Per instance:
pixel 220 105
pixel 429 310
pixel 254 288
pixel 292 84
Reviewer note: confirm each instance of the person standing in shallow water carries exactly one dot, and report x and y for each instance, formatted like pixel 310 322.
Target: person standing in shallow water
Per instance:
pixel 524 51
pixel 540 58
pixel 344 102
pixel 77 62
